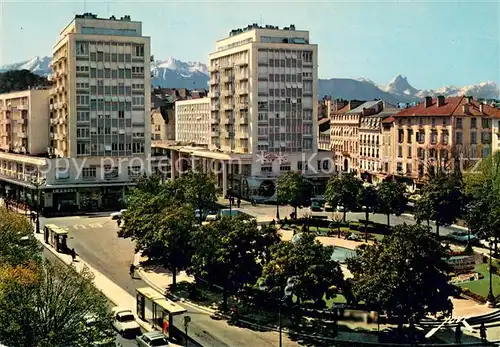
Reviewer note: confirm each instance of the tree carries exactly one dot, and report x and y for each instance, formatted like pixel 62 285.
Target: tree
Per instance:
pixel 18 246
pixel 310 262
pixel 160 224
pixel 391 199
pixel 16 80
pixel 403 275
pixel 343 190
pixel 48 305
pixel 231 252
pixel 294 189
pixel 443 194
pixel 367 198
pixel 198 189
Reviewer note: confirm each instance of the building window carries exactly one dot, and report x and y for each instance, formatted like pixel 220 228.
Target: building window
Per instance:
pixel 89 173
pixel 485 137
pixel 473 123
pixel 408 152
pixel 486 152
pixel 485 123
pixel 473 137
pixel 421 136
pixel 266 168
pixel 285 168
pixel 401 136
pixel 400 151
pixel 460 138
pixel 459 123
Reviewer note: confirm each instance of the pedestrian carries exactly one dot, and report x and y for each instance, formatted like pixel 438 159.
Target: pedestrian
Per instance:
pixel 458 334
pixel 482 333
pixel 239 202
pixel 132 270
pixel 73 254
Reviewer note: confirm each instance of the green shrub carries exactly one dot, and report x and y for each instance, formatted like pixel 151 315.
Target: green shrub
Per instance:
pixel 354 226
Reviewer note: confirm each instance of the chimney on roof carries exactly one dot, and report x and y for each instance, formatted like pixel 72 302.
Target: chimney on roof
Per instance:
pixel 428 101
pixel 440 100
pixel 465 108
pixel 469 99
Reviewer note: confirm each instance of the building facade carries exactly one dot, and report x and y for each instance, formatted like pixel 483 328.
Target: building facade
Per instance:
pixel 99 119
pixel 263 110
pixel 440 131
pixel 24 121
pixel 192 121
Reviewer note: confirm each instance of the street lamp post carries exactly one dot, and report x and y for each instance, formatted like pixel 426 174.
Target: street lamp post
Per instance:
pixel 491 297
pixel 290 284
pixel 277 203
pixel 37 182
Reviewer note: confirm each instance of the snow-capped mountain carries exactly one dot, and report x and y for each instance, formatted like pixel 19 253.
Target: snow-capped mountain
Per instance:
pixel 173 73
pixel 38 65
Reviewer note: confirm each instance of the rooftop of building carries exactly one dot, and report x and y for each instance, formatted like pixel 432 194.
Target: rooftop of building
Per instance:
pixel 450 106
pixel 256 26
pixel 365 105
pixel 89 15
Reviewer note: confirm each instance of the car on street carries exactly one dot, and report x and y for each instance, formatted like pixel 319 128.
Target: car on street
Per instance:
pixel 117 215
pixel 152 339
pixel 329 207
pixel 316 207
pixel 124 322
pixel 462 236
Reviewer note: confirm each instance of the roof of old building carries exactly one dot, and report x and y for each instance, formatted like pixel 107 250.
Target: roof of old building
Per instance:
pixel 368 104
pixel 453 106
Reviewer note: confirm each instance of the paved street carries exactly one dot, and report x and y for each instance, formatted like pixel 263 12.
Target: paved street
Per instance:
pixel 95 240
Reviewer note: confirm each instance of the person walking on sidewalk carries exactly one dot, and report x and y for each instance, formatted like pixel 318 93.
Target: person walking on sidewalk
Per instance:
pixel 73 255
pixel 482 333
pixel 132 270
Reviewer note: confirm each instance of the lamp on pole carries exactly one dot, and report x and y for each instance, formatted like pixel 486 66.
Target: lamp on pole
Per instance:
pixel 491 297
pixel 288 292
pixel 37 182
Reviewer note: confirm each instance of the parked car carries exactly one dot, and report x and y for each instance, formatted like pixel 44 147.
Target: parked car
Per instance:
pixel 340 208
pixel 462 236
pixel 316 207
pixel 151 339
pixel 329 207
pixel 117 215
pixel 212 216
pixel 124 322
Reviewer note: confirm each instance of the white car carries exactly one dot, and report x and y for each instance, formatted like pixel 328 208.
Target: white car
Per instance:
pixel 124 321
pixel 152 339
pixel 117 215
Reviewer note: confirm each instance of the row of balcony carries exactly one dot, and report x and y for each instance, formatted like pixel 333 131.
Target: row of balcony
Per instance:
pixel 57 120
pixel 229 79
pixel 18 175
pixel 58 106
pixel 58 136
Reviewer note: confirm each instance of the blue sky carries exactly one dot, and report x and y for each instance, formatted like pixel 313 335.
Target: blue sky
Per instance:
pixel 432 43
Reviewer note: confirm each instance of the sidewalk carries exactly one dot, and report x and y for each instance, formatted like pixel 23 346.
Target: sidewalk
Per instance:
pixel 114 293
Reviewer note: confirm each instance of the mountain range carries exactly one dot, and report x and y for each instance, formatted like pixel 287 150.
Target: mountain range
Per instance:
pixel 173 73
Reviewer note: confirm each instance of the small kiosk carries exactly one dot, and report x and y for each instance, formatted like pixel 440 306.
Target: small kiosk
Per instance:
pixel 57 237
pixel 154 308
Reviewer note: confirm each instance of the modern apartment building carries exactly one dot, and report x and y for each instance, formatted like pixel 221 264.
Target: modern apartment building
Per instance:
pixel 24 122
pixel 99 139
pixel 440 131
pixel 263 104
pixel 192 121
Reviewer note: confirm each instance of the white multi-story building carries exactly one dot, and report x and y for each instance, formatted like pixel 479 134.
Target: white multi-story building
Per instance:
pixel 192 121
pixel 263 102
pixel 99 125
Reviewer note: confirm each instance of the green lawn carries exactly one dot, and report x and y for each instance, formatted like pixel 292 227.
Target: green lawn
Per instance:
pixel 482 286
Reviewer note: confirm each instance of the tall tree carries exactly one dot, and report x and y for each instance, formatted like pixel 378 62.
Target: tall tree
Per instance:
pixel 199 189
pixel 231 252
pixel 49 304
pixel 310 263
pixel 443 194
pixel 343 190
pixel 391 199
pixel 17 244
pixel 367 198
pixel 159 223
pixel 404 275
pixel 294 189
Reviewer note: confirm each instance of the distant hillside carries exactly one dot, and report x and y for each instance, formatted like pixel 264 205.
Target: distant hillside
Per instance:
pixel 20 80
